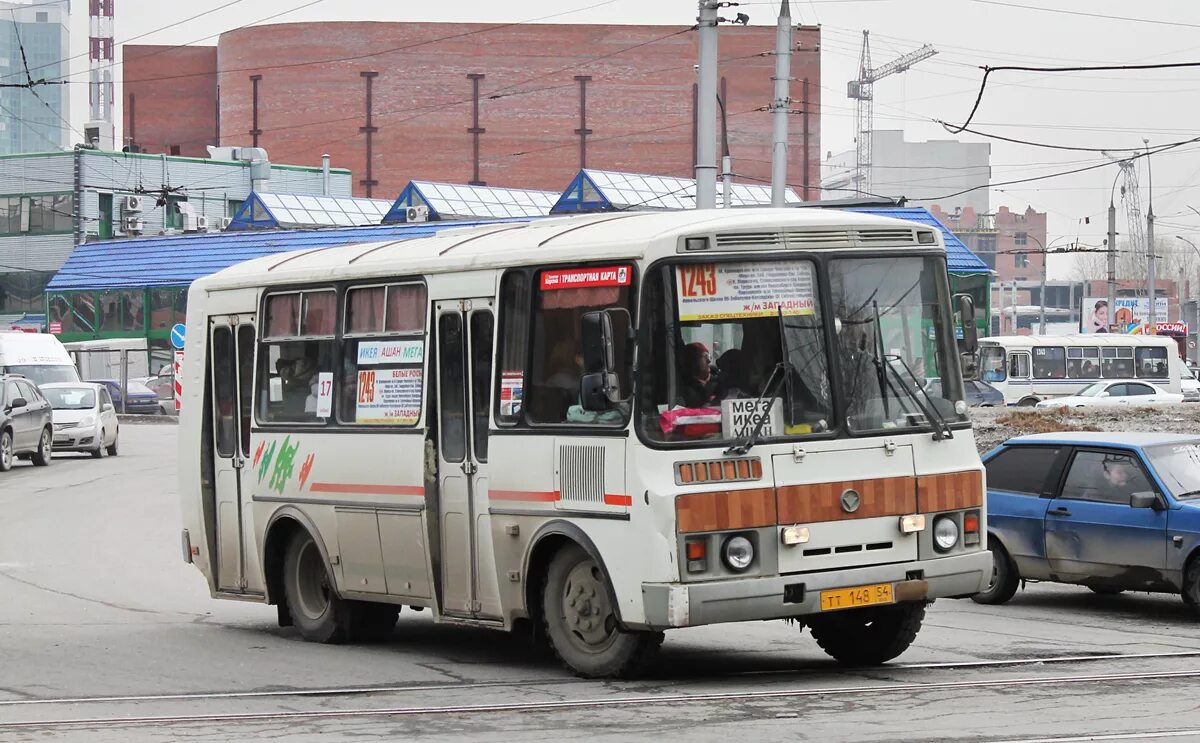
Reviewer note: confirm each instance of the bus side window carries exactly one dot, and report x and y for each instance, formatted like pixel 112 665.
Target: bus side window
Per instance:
pixel 513 347
pixel 561 299
pixel 297 348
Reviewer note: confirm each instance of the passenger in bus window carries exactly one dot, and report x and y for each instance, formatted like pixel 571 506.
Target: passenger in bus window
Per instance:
pixel 561 389
pixel 698 384
pixel 1089 369
pixel 732 380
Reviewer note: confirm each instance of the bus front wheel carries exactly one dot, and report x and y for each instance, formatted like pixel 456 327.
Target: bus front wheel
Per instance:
pixel 317 611
pixel 870 636
pixel 581 622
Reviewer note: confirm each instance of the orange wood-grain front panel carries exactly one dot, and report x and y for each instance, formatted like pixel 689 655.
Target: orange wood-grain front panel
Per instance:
pixel 725 509
pixel 950 492
pixel 885 496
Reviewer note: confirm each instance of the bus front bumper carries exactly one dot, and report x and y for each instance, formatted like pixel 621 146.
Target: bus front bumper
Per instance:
pixel 775 597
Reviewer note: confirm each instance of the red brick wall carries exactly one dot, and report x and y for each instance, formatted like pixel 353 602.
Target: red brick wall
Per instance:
pixel 639 101
pixel 180 110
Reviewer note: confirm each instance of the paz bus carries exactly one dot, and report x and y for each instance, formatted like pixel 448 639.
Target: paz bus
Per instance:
pixel 1030 368
pixel 598 427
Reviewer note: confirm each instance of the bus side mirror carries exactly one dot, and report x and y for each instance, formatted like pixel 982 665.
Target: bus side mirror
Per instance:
pixel 599 387
pixel 965 306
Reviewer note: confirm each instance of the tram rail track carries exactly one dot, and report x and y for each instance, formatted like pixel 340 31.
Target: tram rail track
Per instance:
pixel 412 688
pixel 624 701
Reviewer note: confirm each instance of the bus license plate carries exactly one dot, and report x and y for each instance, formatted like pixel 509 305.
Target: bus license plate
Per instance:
pixel 852 598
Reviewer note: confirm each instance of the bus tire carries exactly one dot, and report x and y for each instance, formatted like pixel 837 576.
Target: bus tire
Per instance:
pixel 1005 578
pixel 1028 402
pixel 581 623
pixel 870 636
pixel 317 612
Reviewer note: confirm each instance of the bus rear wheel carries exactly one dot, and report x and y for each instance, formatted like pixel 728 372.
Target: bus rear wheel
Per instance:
pixel 870 636
pixel 317 611
pixel 581 622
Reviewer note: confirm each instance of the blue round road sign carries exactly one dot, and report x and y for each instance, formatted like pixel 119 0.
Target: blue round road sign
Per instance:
pixel 177 335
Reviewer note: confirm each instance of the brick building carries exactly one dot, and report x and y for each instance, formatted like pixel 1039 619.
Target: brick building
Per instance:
pixel 312 99
pixel 1000 238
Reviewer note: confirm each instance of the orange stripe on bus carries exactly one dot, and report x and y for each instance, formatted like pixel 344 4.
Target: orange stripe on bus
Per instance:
pixel 366 489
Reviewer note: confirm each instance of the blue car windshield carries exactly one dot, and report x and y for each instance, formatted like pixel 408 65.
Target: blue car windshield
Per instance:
pixel 1178 465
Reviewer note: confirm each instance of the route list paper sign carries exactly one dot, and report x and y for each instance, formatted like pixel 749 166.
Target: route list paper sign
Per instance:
pixel 729 291
pixel 389 396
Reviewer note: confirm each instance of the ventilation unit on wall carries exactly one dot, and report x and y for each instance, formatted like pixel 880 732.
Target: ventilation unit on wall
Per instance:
pixel 134 203
pixel 225 222
pixel 416 214
pixel 132 225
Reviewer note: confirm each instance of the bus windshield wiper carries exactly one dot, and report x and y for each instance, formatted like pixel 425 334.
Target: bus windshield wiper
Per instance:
pixel 928 408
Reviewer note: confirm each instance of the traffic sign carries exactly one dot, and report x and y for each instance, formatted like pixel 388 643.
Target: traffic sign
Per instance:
pixel 177 335
pixel 177 378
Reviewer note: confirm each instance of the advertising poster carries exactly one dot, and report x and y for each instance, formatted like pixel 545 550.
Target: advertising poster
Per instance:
pixel 1130 315
pixel 728 291
pixel 583 278
pixel 390 352
pixel 389 396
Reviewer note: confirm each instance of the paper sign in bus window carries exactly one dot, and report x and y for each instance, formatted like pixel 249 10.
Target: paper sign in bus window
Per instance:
pixel 511 389
pixel 390 396
pixel 730 291
pixel 390 352
pixel 324 394
pixel 740 416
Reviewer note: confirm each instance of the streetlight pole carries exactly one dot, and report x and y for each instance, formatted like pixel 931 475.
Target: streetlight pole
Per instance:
pixel 706 105
pixel 1150 277
pixel 1191 330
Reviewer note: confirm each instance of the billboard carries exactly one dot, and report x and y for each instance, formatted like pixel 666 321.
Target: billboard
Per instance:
pixel 1130 315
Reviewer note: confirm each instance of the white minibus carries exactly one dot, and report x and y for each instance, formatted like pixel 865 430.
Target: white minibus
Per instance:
pixel 38 356
pixel 602 427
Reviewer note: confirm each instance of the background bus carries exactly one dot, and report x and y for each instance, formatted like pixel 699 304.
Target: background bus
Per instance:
pixel 1031 368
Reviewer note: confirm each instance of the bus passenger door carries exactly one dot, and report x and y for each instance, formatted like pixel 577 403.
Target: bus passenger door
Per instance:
pixel 231 369
pixel 465 330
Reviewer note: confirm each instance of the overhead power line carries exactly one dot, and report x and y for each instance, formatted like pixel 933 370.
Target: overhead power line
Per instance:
pixel 1155 21
pixel 987 71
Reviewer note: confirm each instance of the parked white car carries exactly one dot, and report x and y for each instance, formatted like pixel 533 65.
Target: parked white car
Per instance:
pixel 1112 394
pixel 85 418
pixel 1188 384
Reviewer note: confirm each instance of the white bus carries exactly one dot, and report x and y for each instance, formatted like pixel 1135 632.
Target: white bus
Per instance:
pixel 553 424
pixel 38 356
pixel 1031 368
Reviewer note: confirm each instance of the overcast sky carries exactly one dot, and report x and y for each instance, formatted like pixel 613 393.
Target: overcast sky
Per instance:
pixel 1108 109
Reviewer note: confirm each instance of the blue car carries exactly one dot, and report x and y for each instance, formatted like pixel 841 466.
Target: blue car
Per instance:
pixel 141 399
pixel 1111 511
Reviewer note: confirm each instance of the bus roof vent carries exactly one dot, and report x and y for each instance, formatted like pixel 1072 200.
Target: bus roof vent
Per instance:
pixel 749 239
pixel 888 235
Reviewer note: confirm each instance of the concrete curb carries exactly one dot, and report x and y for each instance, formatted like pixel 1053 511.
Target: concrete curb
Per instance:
pixel 170 420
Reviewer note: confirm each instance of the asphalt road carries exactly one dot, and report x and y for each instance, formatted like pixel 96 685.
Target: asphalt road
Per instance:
pixel 106 635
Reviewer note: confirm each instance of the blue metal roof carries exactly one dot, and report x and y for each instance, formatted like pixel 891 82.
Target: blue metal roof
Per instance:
pixel 178 260
pixel 959 258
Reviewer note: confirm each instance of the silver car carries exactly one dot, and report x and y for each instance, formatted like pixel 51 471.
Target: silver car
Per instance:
pixel 85 418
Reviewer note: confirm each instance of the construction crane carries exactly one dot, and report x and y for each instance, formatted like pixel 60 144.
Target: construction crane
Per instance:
pixel 861 91
pixel 1135 230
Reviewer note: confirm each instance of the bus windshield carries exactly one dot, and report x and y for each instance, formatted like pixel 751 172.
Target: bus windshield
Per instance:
pixel 734 342
pixel 45 373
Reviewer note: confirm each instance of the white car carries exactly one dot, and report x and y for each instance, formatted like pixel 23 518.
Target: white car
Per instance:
pixel 1112 394
pixel 1188 384
pixel 85 418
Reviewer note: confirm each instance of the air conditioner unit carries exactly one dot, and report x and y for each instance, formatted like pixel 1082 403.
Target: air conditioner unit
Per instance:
pixel 132 224
pixel 416 214
pixel 134 203
pixel 201 223
pixel 225 222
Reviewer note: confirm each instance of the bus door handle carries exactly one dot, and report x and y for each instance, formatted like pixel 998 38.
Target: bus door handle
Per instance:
pixel 469 468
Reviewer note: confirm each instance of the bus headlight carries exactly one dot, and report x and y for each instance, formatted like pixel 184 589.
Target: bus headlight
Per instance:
pixel 738 553
pixel 945 533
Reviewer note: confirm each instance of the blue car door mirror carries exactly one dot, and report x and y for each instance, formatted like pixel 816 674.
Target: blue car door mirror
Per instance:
pixel 1143 500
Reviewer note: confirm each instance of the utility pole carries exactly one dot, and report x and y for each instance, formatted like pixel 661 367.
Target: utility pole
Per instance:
pixel 1112 254
pixel 1150 282
pixel 779 109
pixel 726 157
pixel 706 101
